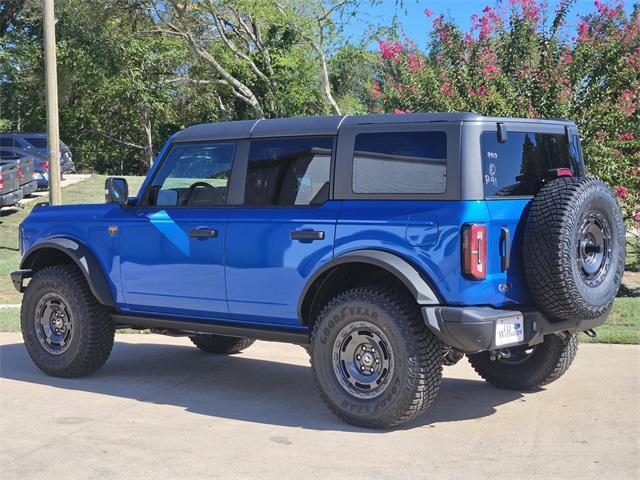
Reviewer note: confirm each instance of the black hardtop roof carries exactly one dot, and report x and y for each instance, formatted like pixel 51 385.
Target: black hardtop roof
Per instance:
pixel 329 125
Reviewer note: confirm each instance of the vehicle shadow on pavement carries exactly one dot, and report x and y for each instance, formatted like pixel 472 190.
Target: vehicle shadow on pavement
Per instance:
pixel 238 387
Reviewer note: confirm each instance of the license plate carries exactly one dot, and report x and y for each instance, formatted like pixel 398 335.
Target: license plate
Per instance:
pixel 509 330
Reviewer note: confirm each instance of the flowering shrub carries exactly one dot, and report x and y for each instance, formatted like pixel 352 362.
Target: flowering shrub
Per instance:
pixel 512 63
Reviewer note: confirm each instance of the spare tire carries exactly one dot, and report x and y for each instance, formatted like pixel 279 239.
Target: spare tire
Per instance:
pixel 574 248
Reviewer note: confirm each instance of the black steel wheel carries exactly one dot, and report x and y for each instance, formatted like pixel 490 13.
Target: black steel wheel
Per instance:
pixel 374 361
pixel 66 331
pixel 53 323
pixel 365 362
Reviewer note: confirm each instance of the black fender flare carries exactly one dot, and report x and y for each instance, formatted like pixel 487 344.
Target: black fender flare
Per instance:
pixel 82 257
pixel 394 264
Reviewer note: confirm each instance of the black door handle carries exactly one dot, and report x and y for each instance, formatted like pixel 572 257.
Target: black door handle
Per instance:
pixel 309 235
pixel 203 233
pixel 505 249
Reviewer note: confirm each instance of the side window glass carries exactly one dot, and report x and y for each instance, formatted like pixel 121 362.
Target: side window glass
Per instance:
pixel 194 175
pixel 400 162
pixel 289 171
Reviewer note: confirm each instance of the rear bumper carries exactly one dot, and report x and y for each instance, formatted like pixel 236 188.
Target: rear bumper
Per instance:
pixel 11 198
pixel 29 187
pixel 472 329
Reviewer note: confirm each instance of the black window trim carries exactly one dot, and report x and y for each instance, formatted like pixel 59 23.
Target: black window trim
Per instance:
pixel 144 199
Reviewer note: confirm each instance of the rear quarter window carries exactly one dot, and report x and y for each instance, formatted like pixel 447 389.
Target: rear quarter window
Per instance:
pixel 519 166
pixel 400 162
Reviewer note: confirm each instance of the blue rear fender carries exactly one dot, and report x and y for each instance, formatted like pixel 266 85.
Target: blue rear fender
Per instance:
pixel 427 234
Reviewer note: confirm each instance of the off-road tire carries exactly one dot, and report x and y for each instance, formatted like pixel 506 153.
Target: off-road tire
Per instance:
pixel 552 252
pixel 221 344
pixel 416 352
pixel 548 362
pixel 93 329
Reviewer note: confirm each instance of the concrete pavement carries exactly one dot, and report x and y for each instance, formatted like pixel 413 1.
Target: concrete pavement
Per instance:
pixel 162 409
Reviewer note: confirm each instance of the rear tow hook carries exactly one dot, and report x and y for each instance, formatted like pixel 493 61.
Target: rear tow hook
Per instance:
pixel 499 354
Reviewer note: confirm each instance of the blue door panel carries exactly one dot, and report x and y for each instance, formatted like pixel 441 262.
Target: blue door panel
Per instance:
pixel 266 270
pixel 164 270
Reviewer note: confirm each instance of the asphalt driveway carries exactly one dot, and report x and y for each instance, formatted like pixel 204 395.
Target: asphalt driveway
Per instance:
pixel 162 409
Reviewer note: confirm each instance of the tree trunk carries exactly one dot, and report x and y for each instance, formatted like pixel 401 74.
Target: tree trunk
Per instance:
pixel 148 150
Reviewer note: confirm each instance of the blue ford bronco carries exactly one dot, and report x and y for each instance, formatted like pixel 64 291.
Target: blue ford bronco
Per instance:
pixel 387 245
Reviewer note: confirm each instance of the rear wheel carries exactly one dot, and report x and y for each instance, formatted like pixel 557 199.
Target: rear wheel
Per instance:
pixel 221 344
pixel 375 363
pixel 528 368
pixel 66 331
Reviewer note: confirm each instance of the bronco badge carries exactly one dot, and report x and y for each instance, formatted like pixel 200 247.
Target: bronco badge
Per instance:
pixel 112 229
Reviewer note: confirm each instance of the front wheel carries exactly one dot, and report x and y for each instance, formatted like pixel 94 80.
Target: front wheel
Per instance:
pixel 375 363
pixel 66 331
pixel 528 368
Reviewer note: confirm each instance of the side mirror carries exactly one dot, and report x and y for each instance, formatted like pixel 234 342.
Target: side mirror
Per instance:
pixel 116 190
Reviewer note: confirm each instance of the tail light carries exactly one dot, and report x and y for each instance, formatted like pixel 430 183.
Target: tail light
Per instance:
pixel 1 181
pixel 20 172
pixel 561 172
pixel 474 250
pixel 44 165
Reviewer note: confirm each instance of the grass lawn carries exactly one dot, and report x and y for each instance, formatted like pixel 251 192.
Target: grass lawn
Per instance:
pixel 87 191
pixel 623 326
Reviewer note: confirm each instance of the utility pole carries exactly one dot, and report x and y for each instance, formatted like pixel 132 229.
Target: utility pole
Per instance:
pixel 53 133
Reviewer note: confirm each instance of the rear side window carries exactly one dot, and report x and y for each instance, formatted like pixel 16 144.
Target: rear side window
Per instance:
pixel 400 162
pixel 519 166
pixel 7 142
pixel 289 171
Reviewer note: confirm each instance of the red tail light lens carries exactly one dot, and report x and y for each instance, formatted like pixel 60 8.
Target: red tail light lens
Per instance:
pixel 20 171
pixel 44 165
pixel 1 181
pixel 474 250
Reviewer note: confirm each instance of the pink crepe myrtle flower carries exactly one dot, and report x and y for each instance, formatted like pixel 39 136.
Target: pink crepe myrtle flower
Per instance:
pixel 626 103
pixel 636 216
pixel 399 111
pixel 414 61
pixel 489 70
pixel 446 89
pixel 390 50
pixel 568 58
pixel 626 136
pixel 428 12
pixel 530 10
pixel 607 11
pixel 583 30
pixel 620 191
